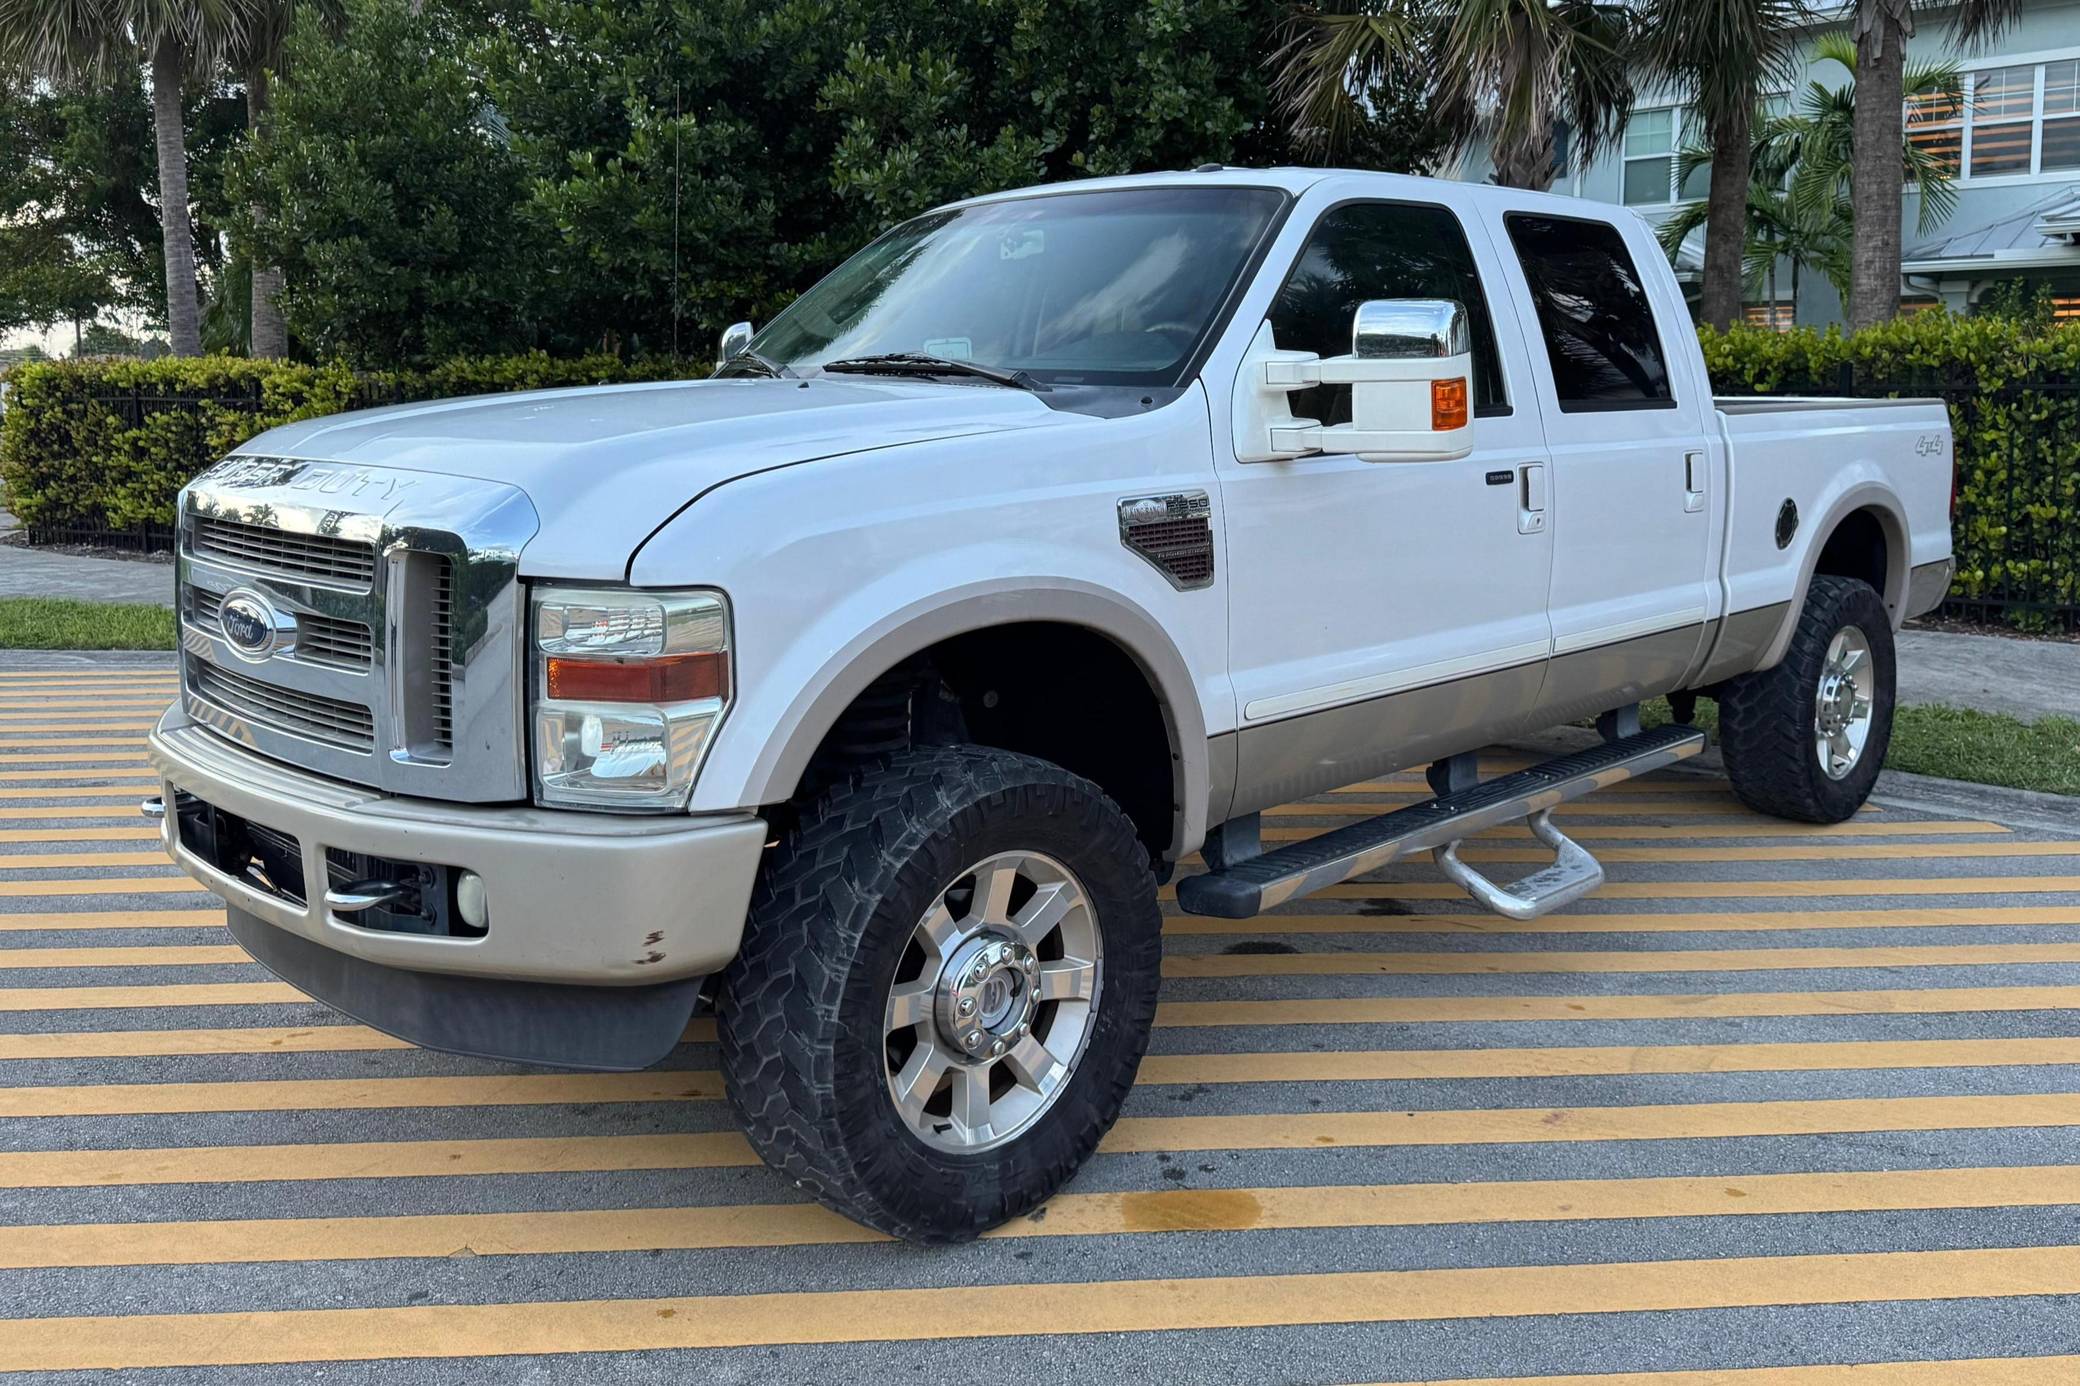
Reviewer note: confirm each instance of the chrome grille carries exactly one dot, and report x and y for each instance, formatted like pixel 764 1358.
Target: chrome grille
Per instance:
pixel 319 639
pixel 400 622
pixel 316 557
pixel 441 655
pixel 330 720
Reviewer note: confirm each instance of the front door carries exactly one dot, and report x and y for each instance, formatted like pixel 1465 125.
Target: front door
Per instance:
pixel 1382 613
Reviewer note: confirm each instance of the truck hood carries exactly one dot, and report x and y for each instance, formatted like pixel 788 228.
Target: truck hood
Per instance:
pixel 604 467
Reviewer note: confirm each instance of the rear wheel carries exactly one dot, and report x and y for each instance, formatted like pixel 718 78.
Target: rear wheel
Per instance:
pixel 1806 739
pixel 945 989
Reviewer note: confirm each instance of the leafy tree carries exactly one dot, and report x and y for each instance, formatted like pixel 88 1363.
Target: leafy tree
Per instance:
pixel 1723 53
pixel 257 58
pixel 1880 30
pixel 393 200
pixel 84 41
pixel 1517 69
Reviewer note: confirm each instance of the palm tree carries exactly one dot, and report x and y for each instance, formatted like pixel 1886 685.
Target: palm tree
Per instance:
pixel 66 43
pixel 1799 193
pixel 1811 149
pixel 259 57
pixel 1723 52
pixel 1527 66
pixel 1880 30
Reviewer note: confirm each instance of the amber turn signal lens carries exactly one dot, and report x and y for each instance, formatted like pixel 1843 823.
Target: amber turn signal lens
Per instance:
pixel 670 679
pixel 1448 403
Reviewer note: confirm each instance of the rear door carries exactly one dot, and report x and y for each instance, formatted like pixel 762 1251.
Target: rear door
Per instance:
pixel 1632 458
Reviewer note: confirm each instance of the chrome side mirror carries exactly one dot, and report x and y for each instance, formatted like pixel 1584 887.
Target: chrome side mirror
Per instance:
pixel 1410 370
pixel 735 338
pixel 1410 329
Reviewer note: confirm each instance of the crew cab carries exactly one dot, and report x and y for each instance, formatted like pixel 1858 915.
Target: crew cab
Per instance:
pixel 871 690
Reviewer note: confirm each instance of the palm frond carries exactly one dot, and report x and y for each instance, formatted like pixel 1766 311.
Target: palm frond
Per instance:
pixel 1325 59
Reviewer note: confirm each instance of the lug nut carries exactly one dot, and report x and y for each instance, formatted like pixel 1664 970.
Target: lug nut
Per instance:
pixel 967 1005
pixel 971 1039
pixel 996 1049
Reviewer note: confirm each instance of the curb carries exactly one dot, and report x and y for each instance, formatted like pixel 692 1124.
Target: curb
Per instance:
pixel 85 659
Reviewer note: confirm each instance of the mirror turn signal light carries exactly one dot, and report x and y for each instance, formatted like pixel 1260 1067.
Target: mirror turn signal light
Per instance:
pixel 1448 403
pixel 659 679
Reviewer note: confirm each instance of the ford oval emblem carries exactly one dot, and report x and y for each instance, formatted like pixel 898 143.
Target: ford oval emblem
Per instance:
pixel 250 624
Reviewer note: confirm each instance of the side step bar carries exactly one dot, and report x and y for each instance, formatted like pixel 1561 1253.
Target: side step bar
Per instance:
pixel 1290 873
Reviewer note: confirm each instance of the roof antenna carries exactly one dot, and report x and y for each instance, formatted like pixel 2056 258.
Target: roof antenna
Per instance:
pixel 675 219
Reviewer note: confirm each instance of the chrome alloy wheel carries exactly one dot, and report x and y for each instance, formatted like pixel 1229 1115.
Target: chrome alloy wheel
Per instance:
pixel 993 1003
pixel 1842 704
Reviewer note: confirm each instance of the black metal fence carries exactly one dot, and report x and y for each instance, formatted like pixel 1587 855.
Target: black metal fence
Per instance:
pixel 2015 507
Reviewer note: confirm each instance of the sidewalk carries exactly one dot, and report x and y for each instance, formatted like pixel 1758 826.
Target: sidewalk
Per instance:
pixel 28 572
pixel 2027 679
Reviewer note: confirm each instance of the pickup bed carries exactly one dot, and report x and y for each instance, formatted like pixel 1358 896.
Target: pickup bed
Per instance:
pixel 870 690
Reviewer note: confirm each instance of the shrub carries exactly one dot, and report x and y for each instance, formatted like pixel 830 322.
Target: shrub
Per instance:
pixel 2015 418
pixel 95 446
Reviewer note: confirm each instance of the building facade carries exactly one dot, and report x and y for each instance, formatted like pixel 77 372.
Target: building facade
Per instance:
pixel 2011 142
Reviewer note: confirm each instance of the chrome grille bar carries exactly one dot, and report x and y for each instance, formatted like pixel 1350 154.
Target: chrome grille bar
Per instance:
pixel 330 720
pixel 319 639
pixel 315 557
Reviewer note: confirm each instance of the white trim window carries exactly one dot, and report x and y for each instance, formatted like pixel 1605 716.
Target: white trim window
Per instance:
pixel 1653 139
pixel 2013 122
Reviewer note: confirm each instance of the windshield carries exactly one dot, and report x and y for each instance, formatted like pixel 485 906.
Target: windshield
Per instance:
pixel 1098 288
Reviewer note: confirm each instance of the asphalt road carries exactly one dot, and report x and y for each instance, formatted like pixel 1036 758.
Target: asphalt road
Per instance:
pixel 1777 1100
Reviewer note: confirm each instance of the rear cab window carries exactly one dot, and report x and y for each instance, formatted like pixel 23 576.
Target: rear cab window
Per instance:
pixel 1593 314
pixel 1366 250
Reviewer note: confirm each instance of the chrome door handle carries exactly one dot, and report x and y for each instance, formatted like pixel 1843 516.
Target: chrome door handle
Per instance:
pixel 1531 498
pixel 1694 481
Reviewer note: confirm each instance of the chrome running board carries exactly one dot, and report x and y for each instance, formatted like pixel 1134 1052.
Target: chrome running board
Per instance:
pixel 1294 872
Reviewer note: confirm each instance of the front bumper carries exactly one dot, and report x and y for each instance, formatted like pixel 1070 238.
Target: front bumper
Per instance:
pixel 585 902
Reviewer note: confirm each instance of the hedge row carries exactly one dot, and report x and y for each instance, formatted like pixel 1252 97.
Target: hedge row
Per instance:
pixel 2014 397
pixel 103 446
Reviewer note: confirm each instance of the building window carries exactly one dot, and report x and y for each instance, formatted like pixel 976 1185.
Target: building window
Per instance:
pixel 2003 102
pixel 2008 122
pixel 1935 126
pixel 1650 147
pixel 2061 145
pixel 1654 141
pixel 1777 317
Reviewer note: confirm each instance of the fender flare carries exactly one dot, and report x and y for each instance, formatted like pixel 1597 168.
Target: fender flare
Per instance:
pixel 805 722
pixel 1885 504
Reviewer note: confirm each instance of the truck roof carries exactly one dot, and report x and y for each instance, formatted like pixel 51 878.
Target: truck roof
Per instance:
pixel 1295 181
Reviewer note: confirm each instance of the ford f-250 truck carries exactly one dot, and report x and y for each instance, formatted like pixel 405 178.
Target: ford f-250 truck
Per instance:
pixel 873 688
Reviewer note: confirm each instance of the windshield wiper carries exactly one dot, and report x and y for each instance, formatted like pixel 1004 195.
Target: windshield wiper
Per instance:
pixel 751 363
pixel 923 363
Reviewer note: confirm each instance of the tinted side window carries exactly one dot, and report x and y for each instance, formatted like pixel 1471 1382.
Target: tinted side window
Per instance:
pixel 1593 313
pixel 1365 250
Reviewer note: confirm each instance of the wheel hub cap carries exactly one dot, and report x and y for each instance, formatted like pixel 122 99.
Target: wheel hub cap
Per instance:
pixel 1843 702
pixel 992 1002
pixel 985 998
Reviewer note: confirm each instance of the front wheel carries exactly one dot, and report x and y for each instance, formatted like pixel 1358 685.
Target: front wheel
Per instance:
pixel 1806 739
pixel 945 989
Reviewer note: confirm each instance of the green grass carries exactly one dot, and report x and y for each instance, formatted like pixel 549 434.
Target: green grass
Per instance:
pixel 1956 744
pixel 53 623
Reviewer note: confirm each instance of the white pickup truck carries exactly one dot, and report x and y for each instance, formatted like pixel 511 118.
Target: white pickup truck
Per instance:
pixel 873 689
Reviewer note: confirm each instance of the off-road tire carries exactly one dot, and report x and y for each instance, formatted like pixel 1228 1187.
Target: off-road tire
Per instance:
pixel 1766 719
pixel 801 1009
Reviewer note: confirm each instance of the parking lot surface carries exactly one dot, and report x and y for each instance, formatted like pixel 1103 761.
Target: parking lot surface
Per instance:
pixel 1777 1100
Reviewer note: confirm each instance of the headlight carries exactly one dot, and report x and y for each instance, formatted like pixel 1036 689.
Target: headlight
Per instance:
pixel 629 687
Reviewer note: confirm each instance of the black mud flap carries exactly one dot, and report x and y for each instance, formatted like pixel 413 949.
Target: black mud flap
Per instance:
pixel 599 1028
